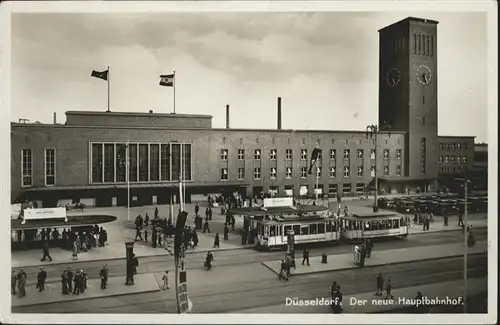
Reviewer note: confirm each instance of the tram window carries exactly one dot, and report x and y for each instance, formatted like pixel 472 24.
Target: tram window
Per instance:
pixel 321 228
pixel 334 225
pixel 403 222
pixel 328 227
pixel 304 230
pixel 395 223
pixel 313 229
pixel 389 224
pixel 381 225
pixel 367 225
pixel 296 229
pixel 374 225
pixel 273 231
pixel 287 229
pixel 356 225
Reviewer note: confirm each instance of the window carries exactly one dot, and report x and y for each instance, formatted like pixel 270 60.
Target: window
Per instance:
pixel 398 154
pixel 360 171
pixel 97 160
pixel 459 146
pixel 223 174
pixel 256 173
pixel 241 173
pixel 440 146
pixel 303 172
pixel 256 154
pixel 398 170
pixel 332 189
pixel 303 154
pixel 132 162
pixel 186 160
pixel 452 159
pixel 241 154
pixel 165 162
pixel 50 167
pixel 386 170
pixel 386 154
pixel 143 162
pixel 273 154
pixel 223 154
pixel 447 146
pixel 452 146
pixel 121 162
pixel 288 154
pixel 333 172
pixel 346 188
pixel 346 153
pixel 360 154
pixel 27 167
pixel 272 173
pixel 288 173
pixel 372 171
pixel 318 172
pixel 465 146
pixel 446 159
pixel 109 163
pixel 346 171
pixel 372 154
pixel 333 154
pixel 441 159
pixel 154 161
pixel 459 159
pixel 464 159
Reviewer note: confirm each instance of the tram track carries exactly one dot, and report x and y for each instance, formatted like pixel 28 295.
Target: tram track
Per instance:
pixel 245 292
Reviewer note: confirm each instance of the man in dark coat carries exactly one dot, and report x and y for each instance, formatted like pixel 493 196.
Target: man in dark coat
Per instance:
pixel 13 282
pixel 206 227
pixel 136 263
pixel 64 282
pixel 69 275
pixel 104 276
pixel 380 285
pixel 226 232
pixel 41 277
pixel 77 283
pixel 305 256
pixel 196 209
pixel 46 253
pixel 216 241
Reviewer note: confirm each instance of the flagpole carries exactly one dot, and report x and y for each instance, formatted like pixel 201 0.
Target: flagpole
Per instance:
pixel 317 188
pixel 174 93
pixel 109 78
pixel 128 181
pixel 181 199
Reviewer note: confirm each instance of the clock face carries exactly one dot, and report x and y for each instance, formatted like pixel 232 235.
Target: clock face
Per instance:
pixel 424 74
pixel 393 77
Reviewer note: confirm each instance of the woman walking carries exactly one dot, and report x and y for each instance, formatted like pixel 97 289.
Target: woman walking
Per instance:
pixel 75 250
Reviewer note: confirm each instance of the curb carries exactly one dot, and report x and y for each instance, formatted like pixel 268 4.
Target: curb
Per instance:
pixel 445 230
pixel 368 266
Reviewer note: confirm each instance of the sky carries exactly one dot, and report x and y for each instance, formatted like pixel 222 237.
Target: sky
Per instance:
pixel 324 65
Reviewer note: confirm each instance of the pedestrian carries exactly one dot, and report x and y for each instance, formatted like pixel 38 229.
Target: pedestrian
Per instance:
pixel 104 276
pixel 69 275
pixel 362 255
pixel 146 235
pixel 380 285
pixel 196 209
pixel 334 288
pixel 460 219
pixel 206 227
pixel 233 222
pixel 146 220
pixel 283 274
pixel 388 289
pixel 41 277
pixel 369 248
pixel 136 263
pixel 226 231
pixel 46 253
pixel 138 234
pixel 75 250
pixel 64 282
pixel 305 256
pixel 165 280
pixel 445 220
pixel 21 283
pixel 77 283
pixel 13 282
pixel 337 298
pixel 216 241
pixel 84 280
pixel 156 213
pixel 209 213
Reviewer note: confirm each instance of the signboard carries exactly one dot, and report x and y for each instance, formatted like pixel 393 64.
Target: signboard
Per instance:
pixel 184 302
pixel 278 202
pixel 48 213
pixel 303 190
pixel 15 210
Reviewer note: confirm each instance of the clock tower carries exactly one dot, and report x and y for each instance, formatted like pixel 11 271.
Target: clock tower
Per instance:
pixel 408 92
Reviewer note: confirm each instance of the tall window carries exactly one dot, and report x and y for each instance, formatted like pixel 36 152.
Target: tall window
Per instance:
pixel 273 154
pixel 441 158
pixel 223 154
pixel 288 154
pixel 398 154
pixel 241 173
pixel 288 173
pixel 256 173
pixel 241 154
pixel 333 154
pixel 372 154
pixel 303 154
pixel 386 170
pixel 360 171
pixel 50 167
pixel 464 159
pixel 223 174
pixel 459 146
pixel 360 153
pixel 459 159
pixel 398 170
pixel 346 171
pixel 186 160
pixel 27 167
pixel 143 162
pixel 121 162
pixel 109 162
pixel 97 158
pixel 333 172
pixel 165 162
pixel 132 162
pixel 372 171
pixel 423 156
pixel 346 153
pixel 272 173
pixel 446 158
pixel 303 172
pixel 386 154
pixel 256 154
pixel 440 146
pixel 154 161
pixel 452 159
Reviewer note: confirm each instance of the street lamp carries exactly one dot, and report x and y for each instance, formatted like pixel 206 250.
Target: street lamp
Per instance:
pixel 465 186
pixel 372 132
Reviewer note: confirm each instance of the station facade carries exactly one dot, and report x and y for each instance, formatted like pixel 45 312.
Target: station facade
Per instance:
pixel 86 158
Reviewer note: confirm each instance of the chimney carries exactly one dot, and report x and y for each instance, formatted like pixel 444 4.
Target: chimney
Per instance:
pixel 227 116
pixel 279 113
pixel 55 118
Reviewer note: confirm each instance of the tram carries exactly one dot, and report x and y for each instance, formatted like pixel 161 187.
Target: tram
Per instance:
pixel 273 233
pixel 374 225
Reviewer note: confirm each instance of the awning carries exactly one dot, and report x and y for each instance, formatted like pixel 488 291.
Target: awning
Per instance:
pixel 257 211
pixel 73 221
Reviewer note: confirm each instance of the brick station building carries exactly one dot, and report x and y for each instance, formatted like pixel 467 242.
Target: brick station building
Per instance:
pixel 85 158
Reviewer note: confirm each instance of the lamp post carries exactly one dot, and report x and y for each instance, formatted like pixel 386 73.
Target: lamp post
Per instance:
pixel 372 132
pixel 465 186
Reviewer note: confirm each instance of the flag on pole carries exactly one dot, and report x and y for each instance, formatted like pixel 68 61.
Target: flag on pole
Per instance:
pixel 167 80
pixel 314 157
pixel 100 74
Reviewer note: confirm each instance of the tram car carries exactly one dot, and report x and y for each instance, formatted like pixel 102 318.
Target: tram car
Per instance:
pixel 273 233
pixel 374 225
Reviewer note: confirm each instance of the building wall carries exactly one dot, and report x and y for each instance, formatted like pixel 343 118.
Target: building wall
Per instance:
pixel 72 145
pixel 138 119
pixel 455 148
